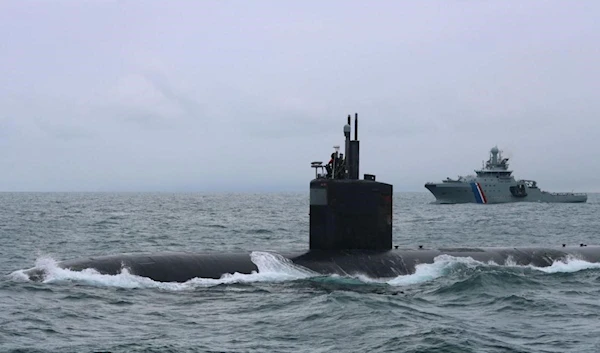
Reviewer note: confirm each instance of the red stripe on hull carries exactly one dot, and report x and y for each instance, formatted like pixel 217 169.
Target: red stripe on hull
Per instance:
pixel 481 193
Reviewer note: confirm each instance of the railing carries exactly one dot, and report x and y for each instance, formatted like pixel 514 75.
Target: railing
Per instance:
pixel 565 193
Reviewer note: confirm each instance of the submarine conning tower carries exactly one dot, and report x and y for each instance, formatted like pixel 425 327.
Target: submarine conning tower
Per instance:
pixel 345 211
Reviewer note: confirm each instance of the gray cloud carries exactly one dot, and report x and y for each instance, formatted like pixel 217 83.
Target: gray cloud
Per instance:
pixel 136 95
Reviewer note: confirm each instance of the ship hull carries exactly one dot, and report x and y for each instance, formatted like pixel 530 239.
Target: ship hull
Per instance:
pixel 495 191
pixel 181 267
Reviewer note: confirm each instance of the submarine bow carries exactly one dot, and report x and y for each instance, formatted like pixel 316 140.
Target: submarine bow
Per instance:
pixel 350 233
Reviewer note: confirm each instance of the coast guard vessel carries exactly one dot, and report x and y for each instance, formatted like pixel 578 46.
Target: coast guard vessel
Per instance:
pixel 494 183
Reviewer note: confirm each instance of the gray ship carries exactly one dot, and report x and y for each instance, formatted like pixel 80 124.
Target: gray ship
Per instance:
pixel 494 183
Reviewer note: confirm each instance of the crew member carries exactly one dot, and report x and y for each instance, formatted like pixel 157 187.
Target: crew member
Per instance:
pixel 329 166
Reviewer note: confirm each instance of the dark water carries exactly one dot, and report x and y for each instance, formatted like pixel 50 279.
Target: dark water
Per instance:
pixel 453 305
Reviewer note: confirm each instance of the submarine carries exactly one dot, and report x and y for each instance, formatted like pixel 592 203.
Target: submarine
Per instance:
pixel 350 233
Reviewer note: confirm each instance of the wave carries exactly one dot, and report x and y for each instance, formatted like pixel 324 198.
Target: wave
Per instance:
pixel 442 265
pixel 276 268
pixel 569 265
pixel 445 265
pixel 271 268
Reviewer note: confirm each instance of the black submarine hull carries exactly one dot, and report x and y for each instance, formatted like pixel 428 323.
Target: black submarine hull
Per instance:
pixel 181 267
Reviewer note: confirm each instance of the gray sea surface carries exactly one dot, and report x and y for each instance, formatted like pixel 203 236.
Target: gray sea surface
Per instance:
pixel 452 305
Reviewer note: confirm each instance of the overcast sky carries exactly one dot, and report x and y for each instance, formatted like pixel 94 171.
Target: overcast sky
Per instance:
pixel 243 95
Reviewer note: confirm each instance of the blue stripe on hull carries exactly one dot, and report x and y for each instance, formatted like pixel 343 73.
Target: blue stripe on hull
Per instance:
pixel 476 193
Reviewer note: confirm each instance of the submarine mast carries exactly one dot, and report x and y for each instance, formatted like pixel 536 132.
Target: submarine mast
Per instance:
pixel 346 212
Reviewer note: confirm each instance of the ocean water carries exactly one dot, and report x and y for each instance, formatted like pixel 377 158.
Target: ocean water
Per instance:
pixel 452 305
